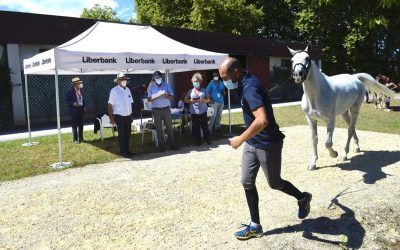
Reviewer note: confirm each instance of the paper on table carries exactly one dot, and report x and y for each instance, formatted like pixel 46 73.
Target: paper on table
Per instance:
pixel 158 94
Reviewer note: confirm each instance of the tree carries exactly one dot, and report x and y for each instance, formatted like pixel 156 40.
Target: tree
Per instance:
pixel 234 16
pixel 171 13
pixel 98 12
pixel 358 35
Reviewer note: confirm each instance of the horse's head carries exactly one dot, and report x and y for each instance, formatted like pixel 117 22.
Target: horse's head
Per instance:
pixel 301 64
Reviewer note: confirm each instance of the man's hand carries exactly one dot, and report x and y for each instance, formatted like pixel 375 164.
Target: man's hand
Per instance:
pixel 236 142
pixel 75 104
pixel 112 121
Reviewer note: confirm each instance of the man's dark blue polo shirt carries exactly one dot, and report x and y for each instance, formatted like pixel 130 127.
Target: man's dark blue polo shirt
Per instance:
pixel 254 97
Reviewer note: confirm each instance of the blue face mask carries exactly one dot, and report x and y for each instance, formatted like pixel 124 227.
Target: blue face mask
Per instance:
pixel 230 85
pixel 158 81
pixel 196 85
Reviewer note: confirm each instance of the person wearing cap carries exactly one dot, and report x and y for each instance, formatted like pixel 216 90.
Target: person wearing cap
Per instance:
pixel 76 108
pixel 217 91
pixel 160 95
pixel 120 112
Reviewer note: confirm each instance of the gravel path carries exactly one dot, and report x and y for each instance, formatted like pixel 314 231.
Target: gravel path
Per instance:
pixel 194 199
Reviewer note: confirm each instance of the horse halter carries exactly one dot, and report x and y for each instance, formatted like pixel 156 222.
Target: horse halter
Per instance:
pixel 306 67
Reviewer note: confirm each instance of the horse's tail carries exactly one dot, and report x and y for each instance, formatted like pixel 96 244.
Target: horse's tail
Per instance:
pixel 373 86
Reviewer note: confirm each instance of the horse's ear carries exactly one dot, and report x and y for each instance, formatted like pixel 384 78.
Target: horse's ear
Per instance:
pixel 307 49
pixel 291 51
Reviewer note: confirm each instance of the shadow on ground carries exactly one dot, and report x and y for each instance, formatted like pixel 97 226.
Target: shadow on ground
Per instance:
pixel 346 227
pixel 371 163
pixel 149 150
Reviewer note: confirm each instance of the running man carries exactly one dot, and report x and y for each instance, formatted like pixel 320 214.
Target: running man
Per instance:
pixel 263 146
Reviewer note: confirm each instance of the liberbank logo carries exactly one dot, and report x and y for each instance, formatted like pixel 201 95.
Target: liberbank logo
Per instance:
pixel 98 60
pixel 140 60
pixel 174 61
pixel 203 61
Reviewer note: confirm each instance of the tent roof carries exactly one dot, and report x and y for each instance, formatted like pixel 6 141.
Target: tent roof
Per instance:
pixel 107 48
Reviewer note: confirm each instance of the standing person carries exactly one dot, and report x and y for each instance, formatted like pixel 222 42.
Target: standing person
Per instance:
pixel 76 108
pixel 120 112
pixel 217 91
pixel 198 98
pixel 160 95
pixel 263 146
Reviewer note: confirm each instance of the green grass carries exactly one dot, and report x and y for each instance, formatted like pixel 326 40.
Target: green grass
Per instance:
pixel 18 162
pixel 370 119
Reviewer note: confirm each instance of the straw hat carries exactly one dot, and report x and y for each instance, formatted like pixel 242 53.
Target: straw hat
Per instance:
pixel 121 76
pixel 76 80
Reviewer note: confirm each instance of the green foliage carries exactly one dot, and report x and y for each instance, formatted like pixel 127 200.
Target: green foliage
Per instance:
pixel 355 35
pixel 171 13
pixel 235 16
pixel 102 13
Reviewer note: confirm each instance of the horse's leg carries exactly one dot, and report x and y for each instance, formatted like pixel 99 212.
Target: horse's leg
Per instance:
pixel 354 112
pixel 314 139
pixel 376 101
pixel 330 127
pixel 346 118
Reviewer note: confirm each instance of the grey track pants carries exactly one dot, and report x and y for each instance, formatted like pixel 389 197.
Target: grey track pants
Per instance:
pixel 270 161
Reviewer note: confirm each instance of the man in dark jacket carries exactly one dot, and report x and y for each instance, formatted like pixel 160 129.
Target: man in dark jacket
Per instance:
pixel 76 108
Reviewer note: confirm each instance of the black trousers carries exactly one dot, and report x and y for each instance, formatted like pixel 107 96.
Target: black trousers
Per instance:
pixel 77 124
pixel 200 122
pixel 124 132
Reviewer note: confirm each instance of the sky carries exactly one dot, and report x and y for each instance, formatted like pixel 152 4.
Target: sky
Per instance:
pixel 125 8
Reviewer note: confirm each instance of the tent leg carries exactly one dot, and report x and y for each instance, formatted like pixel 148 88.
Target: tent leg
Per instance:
pixel 30 142
pixel 229 111
pixel 59 164
pixel 230 134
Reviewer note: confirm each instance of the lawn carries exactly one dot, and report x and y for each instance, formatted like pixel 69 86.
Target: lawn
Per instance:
pixel 18 162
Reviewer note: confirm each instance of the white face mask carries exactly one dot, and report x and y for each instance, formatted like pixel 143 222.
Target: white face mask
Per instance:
pixel 123 83
pixel 158 81
pixel 216 78
pixel 81 86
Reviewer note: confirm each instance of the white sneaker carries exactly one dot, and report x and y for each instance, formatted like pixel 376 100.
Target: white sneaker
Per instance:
pixel 388 110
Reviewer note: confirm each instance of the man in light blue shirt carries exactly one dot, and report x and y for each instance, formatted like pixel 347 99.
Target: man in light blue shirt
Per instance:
pixel 160 95
pixel 217 91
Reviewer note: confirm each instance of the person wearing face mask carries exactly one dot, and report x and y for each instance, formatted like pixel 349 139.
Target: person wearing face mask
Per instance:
pixel 217 91
pixel 76 108
pixel 263 146
pixel 198 98
pixel 160 95
pixel 120 112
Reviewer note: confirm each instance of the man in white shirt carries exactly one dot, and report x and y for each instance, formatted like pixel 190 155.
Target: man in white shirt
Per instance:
pixel 120 112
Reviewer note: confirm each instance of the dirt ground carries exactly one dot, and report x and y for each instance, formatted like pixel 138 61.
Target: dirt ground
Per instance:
pixel 193 199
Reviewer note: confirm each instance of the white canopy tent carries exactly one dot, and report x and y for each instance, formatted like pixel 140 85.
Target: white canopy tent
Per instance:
pixel 110 48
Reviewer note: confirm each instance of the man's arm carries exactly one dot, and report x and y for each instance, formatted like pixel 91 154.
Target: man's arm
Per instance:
pixel 110 114
pixel 260 122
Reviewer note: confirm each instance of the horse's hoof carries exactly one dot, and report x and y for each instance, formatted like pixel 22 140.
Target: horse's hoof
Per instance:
pixel 357 150
pixel 311 167
pixel 333 154
pixel 344 158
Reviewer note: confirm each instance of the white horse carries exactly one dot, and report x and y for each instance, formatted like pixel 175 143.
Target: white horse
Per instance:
pixel 326 97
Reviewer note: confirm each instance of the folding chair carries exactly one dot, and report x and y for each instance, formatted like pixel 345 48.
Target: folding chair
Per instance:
pixel 105 123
